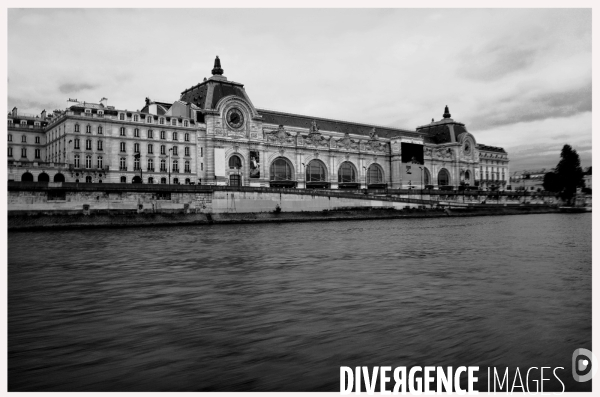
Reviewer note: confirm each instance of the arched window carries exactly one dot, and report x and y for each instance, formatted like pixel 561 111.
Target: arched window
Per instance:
pixel 235 162
pixel 426 176
pixel 43 177
pixel 187 181
pixel 99 130
pixel 88 129
pixel 123 179
pixel 88 161
pixel 174 150
pixel 136 133
pixel 100 162
pixel 27 177
pixel 76 161
pixel 150 134
pixel 163 180
pixel 347 172
pixel 186 137
pixel 161 120
pixel 187 166
pixel 467 176
pixel 123 164
pixel 122 146
pixel 443 177
pixel 88 179
pixel 281 170
pixel 374 175
pixel 150 165
pixel 187 151
pixel 162 149
pixel 175 166
pixel 99 145
pixel 122 131
pixel 163 165
pixel 150 180
pixel 315 172
pixel 136 179
pixel 76 127
pixel 136 147
pixel 174 136
pixel 176 181
pixel 59 177
pixel 163 135
pixel 88 144
pixel 150 149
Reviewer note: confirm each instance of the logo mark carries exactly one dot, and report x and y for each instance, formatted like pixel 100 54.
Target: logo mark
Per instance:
pixel 583 362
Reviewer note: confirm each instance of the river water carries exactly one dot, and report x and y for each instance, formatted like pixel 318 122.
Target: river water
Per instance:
pixel 280 307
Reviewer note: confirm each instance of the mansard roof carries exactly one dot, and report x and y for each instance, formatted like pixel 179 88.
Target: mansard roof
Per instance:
pixel 296 120
pixel 491 148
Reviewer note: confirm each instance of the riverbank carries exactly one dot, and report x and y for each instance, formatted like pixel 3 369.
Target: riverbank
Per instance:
pixel 44 220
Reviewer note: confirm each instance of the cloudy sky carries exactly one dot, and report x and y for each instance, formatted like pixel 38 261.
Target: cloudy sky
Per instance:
pixel 518 78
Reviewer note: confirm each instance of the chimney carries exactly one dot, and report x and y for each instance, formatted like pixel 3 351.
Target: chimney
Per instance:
pixel 14 112
pixel 44 114
pixel 103 101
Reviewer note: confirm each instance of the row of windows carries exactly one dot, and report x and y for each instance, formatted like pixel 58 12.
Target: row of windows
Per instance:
pixel 281 170
pixel 23 138
pixel 163 149
pixel 24 122
pixel 150 165
pixel 163 180
pixel 150 134
pixel 88 161
pixel 37 152
pixel 149 119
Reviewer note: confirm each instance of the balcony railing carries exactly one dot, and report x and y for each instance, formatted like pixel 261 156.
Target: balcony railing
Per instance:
pixel 122 168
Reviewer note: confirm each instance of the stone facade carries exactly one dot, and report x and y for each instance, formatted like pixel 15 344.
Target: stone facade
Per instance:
pixel 215 135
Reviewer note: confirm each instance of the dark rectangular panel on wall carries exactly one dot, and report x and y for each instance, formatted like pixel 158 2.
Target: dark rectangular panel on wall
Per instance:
pixel 412 153
pixel 254 164
pixel 411 168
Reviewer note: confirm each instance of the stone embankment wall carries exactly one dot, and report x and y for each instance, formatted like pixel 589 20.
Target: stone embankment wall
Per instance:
pixel 35 205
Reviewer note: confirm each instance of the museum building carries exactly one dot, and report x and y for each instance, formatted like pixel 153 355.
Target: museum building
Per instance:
pixel 215 135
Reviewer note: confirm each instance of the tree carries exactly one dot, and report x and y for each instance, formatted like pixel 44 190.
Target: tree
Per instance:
pixel 568 175
pixel 551 182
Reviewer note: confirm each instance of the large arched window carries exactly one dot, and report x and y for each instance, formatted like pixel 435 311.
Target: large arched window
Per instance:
pixel 43 177
pixel 281 170
pixel 374 175
pixel 235 162
pixel 443 177
pixel 59 177
pixel 426 176
pixel 27 177
pixel 316 172
pixel 467 176
pixel 347 173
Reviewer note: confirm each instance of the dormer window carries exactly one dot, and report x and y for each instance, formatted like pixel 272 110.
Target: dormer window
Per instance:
pixel 185 123
pixel 88 112
pixel 174 122
pixel 100 112
pixel 23 122
pixel 36 123
pixel 121 116
pixel 149 119
pixel 135 117
pixel 161 120
pixel 10 122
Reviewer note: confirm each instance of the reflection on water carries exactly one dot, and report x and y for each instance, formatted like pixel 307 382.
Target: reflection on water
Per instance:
pixel 280 307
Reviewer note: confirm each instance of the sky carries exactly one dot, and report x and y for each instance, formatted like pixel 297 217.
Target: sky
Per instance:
pixel 517 78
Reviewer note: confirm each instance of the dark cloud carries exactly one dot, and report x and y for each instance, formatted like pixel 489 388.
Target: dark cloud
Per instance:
pixel 519 107
pixel 495 60
pixel 72 88
pixel 27 104
pixel 544 156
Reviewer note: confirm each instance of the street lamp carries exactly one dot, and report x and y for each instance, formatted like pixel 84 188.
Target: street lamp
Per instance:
pixel 304 165
pixel 170 165
pixel 421 168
